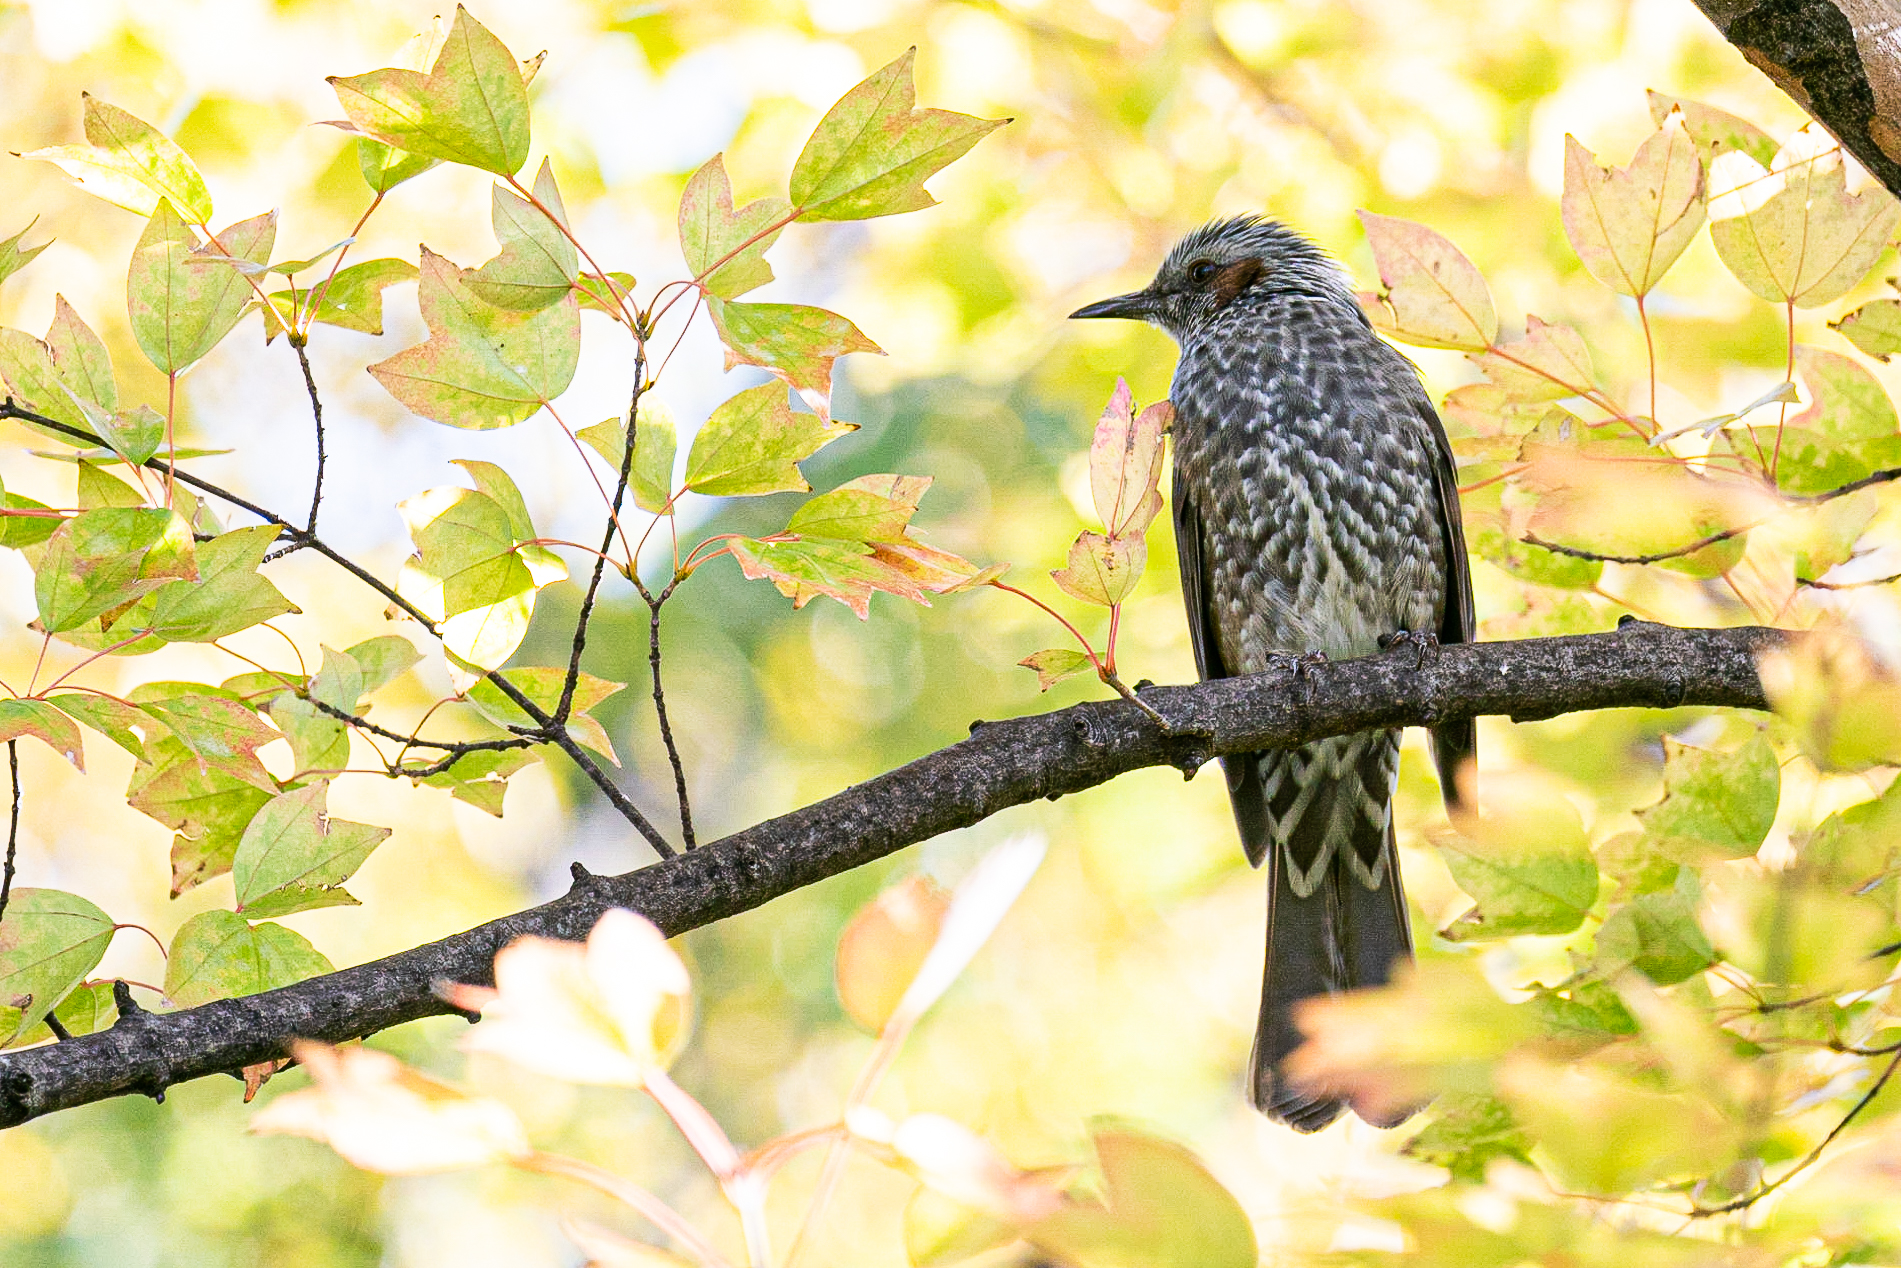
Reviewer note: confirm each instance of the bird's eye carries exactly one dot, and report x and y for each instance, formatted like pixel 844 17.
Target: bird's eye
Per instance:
pixel 1202 272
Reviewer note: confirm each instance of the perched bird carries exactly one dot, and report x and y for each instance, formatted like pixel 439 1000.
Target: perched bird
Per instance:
pixel 1316 511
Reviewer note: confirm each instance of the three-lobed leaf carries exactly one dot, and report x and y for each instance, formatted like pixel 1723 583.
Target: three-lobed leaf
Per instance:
pixel 1434 295
pixel 352 300
pixel 229 594
pixel 1629 225
pixel 538 263
pixel 294 856
pixel 725 249
pixel 1125 462
pixel 753 443
pixel 797 342
pixel 872 152
pixel 106 558
pixel 1103 570
pixel 221 955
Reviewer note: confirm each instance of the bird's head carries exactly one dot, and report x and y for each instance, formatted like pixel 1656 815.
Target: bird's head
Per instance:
pixel 1223 263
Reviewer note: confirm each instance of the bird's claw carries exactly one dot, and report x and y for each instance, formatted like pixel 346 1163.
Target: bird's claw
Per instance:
pixel 1296 663
pixel 1421 641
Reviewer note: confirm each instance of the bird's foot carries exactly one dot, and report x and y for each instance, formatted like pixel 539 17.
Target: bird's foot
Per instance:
pixel 1296 663
pixel 1421 641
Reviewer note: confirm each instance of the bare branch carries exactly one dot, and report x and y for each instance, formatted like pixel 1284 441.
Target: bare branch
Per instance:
pixel 1002 764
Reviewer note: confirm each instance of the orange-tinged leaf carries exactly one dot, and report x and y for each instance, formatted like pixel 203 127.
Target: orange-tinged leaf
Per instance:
pixel 753 444
pixel 1103 570
pixel 608 1012
pixel 928 568
pixel 883 947
pixel 1160 1208
pixel 538 263
pixel 180 300
pixel 1794 233
pixel 383 1116
pixel 471 107
pixel 1549 363
pixel 794 341
pixel 1629 225
pixel 804 569
pixel 482 367
pixel 43 722
pixel 726 249
pixel 977 907
pixel 1434 296
pixel 1125 463
pixel 872 152
pixel 1055 664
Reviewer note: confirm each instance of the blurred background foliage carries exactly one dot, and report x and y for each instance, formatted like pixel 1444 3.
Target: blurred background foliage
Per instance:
pixel 1124 982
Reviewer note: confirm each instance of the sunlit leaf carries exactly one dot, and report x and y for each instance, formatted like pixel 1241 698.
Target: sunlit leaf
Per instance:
pixel 1714 130
pixel 14 257
pixel 384 167
pixel 1466 1133
pixel 1548 364
pixel 207 805
pixel 607 1012
pixel 809 567
pixel 383 659
pixel 35 382
pixel 753 443
pixel 1527 864
pixel 130 164
pixel 1055 664
pixel 1724 801
pixel 872 152
pixel 711 231
pixel 294 856
pixel 43 722
pixel 883 947
pixel 1793 233
pixel 486 637
pixel 383 1116
pixel 1434 296
pixel 481 367
pixel 179 304
pixel 470 108
pixel 1125 463
pixel 868 509
pixel 83 363
pixel 1875 327
pixel 542 684
pixel 465 552
pixel 101 559
pixel 1103 570
pixel 479 778
pixel 1785 928
pixel 49 941
pixel 604 293
pixel 543 564
pixel 124 724
pixel 353 299
pixel 228 595
pixel 1849 429
pixel 221 955
pixel 538 263
pixel 1629 225
pixel 1160 1208
pixel 794 341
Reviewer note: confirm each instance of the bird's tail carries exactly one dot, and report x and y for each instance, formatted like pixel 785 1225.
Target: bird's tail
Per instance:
pixel 1336 915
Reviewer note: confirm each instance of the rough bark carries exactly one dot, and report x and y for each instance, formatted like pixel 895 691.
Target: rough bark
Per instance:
pixel 1002 764
pixel 1838 59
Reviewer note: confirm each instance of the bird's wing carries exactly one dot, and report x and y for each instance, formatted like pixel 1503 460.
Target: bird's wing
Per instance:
pixel 1455 742
pixel 1243 771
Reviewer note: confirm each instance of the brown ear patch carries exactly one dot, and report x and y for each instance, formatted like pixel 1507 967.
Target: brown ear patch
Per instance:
pixel 1234 279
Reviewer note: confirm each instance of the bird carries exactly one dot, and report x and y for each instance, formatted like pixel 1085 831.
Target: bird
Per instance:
pixel 1316 513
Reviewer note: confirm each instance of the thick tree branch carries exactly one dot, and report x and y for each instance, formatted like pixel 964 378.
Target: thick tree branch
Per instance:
pixel 1002 764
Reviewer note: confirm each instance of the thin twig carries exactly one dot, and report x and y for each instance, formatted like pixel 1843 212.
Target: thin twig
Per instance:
pixel 297 342
pixel 13 827
pixel 654 603
pixel 1577 552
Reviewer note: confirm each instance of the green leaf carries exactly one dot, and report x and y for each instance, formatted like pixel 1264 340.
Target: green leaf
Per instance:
pixel 538 264
pixel 228 596
pixel 1629 225
pixel 1875 327
pixel 868 509
pixel 465 552
pixel 796 342
pixel 844 570
pixel 217 729
pixel 1467 1133
pixel 1434 295
pixel 45 723
pixel 471 107
pixel 383 659
pixel 724 248
pixel 124 724
pixel 87 1009
pixel 181 301
pixel 1657 934
pixel 96 489
pixel 102 559
pixel 1714 130
pixel 656 441
pixel 206 806
pixel 1103 570
pixel 134 434
pixel 13 258
pixel 1160 1209
pixel 130 164
pixel 1055 664
pixel 482 367
pixel 385 167
pixel 35 382
pixel 1793 233
pixel 318 741
pixel 1527 865
pixel 479 778
pixel 599 291
pixel 1848 431
pixel 221 955
pixel 353 299
pixel 1723 801
pixel 49 941
pixel 486 637
pixel 872 152
pixel 543 684
pixel 543 564
pixel 753 443
pixel 1533 563
pixel 21 530
pixel 295 857
pixel 84 365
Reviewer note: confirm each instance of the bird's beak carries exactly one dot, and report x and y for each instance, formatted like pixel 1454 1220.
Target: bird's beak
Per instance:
pixel 1136 305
